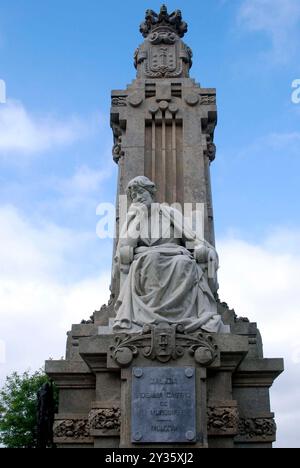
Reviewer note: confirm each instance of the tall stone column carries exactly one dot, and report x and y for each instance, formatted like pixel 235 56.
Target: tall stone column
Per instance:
pixel 163 123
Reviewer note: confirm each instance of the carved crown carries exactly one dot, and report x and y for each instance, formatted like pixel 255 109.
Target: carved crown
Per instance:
pixel 172 21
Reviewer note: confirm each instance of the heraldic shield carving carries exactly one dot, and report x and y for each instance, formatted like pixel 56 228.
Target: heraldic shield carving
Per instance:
pixel 162 59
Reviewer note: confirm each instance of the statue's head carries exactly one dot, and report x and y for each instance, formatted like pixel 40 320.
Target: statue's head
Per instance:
pixel 141 190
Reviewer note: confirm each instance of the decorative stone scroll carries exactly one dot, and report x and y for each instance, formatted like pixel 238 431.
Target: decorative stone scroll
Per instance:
pixel 211 148
pixel 164 342
pixel 117 150
pixel 208 99
pixel 118 101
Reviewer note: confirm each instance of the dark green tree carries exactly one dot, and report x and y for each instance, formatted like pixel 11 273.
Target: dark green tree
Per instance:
pixel 18 409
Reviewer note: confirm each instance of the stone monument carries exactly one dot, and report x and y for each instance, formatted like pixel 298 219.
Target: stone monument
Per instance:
pixel 165 363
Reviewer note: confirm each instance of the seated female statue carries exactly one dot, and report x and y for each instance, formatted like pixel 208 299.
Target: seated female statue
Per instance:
pixel 158 257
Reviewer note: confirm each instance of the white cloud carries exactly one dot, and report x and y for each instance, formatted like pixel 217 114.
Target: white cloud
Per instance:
pixel 39 297
pixel 22 132
pixel 2 92
pixel 38 251
pixel 279 19
pixel 84 189
pixel 281 141
pixel 261 282
pixel 85 180
pixel 289 142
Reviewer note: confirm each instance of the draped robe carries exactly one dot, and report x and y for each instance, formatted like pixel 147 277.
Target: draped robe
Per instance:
pixel 164 282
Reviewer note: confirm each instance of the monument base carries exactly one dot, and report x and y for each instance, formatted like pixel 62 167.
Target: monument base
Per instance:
pixel 164 388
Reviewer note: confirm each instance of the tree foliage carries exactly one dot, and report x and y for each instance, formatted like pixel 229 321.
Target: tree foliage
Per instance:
pixel 18 409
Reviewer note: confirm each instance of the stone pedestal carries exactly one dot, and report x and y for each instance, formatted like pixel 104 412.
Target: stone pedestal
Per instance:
pixel 231 405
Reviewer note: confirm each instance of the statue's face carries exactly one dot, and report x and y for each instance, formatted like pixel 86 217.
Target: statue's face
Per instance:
pixel 141 195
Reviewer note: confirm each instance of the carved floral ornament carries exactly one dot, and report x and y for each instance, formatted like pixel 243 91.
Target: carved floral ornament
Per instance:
pixel 226 421
pixel 105 420
pixel 164 342
pixel 71 428
pixel 257 428
pixel 162 37
pixel 222 420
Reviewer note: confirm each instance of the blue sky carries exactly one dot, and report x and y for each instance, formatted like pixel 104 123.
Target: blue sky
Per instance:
pixel 60 60
pixel 63 58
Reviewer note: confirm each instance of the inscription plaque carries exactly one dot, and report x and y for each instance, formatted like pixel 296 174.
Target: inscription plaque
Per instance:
pixel 163 405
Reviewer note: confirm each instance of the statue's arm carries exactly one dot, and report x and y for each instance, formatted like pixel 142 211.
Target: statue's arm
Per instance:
pixel 206 255
pixel 127 243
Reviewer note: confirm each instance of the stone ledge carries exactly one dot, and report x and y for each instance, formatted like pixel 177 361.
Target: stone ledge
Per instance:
pixel 266 364
pixel 70 374
pixel 66 367
pixel 70 416
pixel 83 329
pixel 258 372
pixel 70 440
